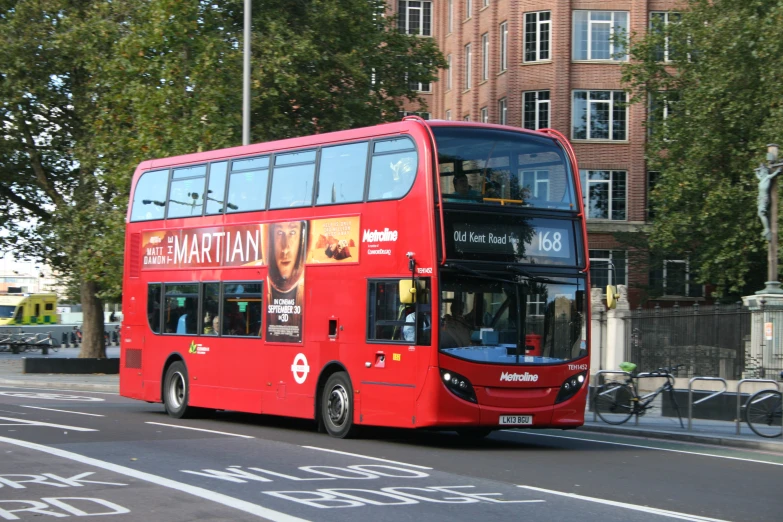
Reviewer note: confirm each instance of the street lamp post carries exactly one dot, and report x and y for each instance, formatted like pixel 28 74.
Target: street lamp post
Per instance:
pixel 768 213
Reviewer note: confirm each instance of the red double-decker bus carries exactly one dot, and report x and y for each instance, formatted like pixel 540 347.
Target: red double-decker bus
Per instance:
pixel 418 274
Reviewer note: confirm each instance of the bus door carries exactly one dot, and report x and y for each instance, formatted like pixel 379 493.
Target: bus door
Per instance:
pixel 399 330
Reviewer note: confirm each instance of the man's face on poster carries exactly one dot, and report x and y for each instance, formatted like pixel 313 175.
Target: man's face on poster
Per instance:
pixel 287 237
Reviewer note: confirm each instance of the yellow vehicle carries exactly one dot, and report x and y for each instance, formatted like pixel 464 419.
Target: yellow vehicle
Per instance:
pixel 26 308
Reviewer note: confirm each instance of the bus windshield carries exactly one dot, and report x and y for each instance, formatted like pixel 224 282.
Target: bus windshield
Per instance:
pixel 7 311
pixel 497 167
pixel 480 320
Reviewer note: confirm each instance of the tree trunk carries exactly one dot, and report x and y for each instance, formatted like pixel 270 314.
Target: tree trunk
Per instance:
pixel 93 343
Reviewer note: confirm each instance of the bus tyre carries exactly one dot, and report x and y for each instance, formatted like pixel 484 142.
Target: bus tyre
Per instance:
pixel 337 406
pixel 176 391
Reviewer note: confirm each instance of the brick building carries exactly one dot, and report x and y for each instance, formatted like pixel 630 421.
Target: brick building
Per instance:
pixel 554 63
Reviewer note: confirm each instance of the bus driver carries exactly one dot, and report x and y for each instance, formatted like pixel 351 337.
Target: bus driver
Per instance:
pixel 285 283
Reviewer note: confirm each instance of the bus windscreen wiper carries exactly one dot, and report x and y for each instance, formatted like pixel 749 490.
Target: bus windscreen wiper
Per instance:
pixel 528 275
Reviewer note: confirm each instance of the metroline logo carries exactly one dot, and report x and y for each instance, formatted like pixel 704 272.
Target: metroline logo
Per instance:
pixel 516 377
pixel 369 236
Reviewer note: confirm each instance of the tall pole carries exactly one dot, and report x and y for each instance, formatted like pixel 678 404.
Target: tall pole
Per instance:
pixel 246 78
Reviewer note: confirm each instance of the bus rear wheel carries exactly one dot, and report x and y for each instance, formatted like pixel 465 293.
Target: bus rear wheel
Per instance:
pixel 337 406
pixel 176 391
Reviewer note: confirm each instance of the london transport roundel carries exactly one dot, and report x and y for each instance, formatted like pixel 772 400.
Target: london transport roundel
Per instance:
pixel 300 369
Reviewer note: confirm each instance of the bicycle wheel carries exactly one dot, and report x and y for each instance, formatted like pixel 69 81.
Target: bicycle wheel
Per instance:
pixel 613 402
pixel 764 413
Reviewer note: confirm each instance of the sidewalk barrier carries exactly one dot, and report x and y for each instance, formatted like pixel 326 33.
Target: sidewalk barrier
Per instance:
pixel 690 395
pixel 739 397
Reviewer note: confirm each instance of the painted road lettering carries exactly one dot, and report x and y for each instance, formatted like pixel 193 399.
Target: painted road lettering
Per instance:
pixel 355 472
pixel 17 481
pixel 60 507
pixel 393 496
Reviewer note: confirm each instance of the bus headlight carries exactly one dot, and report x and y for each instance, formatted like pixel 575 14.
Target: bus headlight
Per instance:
pixel 458 385
pixel 571 385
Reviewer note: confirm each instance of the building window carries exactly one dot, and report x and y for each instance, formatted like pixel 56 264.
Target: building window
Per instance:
pixel 659 22
pixel 486 3
pixel 538 31
pixel 466 118
pixel 414 17
pixel 604 193
pixel 601 273
pixel 535 110
pixel 484 115
pixel 485 56
pixel 502 111
pixel 424 115
pixel 420 86
pixel 448 73
pixel 468 8
pixel 600 115
pixel 450 17
pixel 652 180
pixel 594 33
pixel 503 46
pixel 448 115
pixel 468 71
pixel 674 278
pixel 662 105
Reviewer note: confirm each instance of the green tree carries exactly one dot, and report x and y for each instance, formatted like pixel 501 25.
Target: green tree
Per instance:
pixel 88 89
pixel 721 89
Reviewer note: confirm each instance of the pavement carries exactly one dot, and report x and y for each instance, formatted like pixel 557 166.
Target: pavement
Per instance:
pixel 652 426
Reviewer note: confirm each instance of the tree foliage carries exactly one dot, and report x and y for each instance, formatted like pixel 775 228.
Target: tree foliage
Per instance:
pixel 90 88
pixel 722 85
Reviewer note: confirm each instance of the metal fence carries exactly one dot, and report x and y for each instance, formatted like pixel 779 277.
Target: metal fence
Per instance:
pixel 717 341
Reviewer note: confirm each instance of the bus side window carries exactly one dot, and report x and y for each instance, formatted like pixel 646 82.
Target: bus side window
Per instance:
pixel 242 308
pixel 153 306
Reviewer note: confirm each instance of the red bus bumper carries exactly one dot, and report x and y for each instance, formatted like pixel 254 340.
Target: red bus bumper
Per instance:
pixel 437 407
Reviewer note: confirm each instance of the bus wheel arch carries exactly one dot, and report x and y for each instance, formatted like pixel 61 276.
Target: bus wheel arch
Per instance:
pixel 175 388
pixel 336 378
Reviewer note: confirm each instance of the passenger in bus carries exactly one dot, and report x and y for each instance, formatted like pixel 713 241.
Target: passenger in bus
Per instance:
pixel 455 332
pixel 186 324
pixel 462 190
pixel 287 250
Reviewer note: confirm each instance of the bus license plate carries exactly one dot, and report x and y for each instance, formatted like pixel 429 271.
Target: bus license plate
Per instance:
pixel 517 420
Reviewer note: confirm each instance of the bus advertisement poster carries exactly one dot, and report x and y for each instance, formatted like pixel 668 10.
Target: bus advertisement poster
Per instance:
pixel 286 245
pixel 334 240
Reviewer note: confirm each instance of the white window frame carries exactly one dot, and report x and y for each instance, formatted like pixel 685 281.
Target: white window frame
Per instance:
pixel 448 115
pixel 590 105
pixel 425 26
pixel 584 175
pixel 450 28
pixel 468 65
pixel 486 3
pixel 466 118
pixel 539 103
pixel 484 115
pixel 666 16
pixel 539 31
pixel 611 259
pixel 468 8
pixel 503 46
pixel 540 182
pixel 688 282
pixel 536 305
pixel 591 25
pixel 503 111
pixel 425 115
pixel 484 56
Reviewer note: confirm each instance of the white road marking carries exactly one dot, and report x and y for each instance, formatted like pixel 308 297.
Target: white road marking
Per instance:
pixel 56 389
pixel 50 396
pixel 366 457
pixel 241 505
pixel 201 429
pixel 17 422
pixel 634 507
pixel 646 447
pixel 63 411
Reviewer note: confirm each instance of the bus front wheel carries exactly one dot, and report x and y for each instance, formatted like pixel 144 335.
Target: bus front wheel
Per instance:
pixel 176 391
pixel 337 406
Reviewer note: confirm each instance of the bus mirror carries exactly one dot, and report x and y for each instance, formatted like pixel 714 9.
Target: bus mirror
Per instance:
pixel 611 296
pixel 407 291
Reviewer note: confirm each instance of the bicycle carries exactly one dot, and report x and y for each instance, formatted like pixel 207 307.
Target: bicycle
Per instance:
pixel 764 413
pixel 615 402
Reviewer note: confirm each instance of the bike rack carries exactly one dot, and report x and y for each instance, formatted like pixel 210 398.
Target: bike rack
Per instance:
pixel 738 420
pixel 604 372
pixel 690 394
